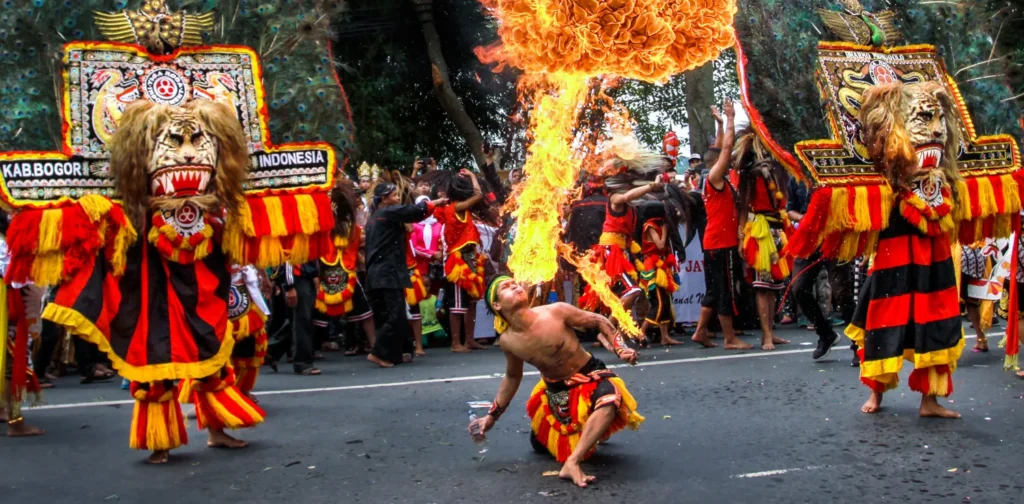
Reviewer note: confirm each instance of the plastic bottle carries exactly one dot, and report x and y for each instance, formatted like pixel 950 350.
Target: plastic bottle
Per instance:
pixel 478 436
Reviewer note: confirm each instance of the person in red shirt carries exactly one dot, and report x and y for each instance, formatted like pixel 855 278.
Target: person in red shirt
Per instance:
pixel 463 259
pixel 721 240
pixel 765 226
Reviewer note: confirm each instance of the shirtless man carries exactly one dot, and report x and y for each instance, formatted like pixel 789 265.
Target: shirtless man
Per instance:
pixel 544 337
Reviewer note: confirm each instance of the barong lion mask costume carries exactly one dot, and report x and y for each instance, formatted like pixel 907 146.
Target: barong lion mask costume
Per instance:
pixel 909 134
pixel 165 157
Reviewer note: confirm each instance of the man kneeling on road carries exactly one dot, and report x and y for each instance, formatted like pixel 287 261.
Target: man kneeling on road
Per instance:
pixel 578 401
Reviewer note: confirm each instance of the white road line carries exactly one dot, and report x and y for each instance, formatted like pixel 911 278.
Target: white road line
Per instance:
pixel 453 379
pixel 776 472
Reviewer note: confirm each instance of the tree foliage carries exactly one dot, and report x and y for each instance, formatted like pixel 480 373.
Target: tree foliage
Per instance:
pixel 388 78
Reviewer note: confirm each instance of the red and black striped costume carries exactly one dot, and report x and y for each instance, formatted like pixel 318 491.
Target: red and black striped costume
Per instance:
pixel 165 318
pixel 909 307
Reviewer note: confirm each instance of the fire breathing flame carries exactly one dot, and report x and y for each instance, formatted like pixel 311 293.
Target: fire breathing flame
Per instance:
pixel 598 280
pixel 563 46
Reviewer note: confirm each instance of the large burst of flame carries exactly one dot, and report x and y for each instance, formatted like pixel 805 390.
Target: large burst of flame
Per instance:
pixel 562 45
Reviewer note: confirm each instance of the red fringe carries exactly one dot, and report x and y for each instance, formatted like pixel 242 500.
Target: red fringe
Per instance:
pixel 918 381
pixel 804 242
pixel 22 379
pixel 25 226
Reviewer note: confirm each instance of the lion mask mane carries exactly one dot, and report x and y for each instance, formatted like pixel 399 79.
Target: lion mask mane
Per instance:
pixel 163 156
pixel 910 131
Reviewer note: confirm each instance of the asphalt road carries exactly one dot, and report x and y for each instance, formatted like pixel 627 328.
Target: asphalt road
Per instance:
pixel 721 426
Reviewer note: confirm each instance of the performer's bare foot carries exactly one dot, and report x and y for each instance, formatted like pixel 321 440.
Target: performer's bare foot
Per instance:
pixel 873 404
pixel 571 471
pixel 22 429
pixel 220 439
pixel 378 361
pixel 779 341
pixel 159 457
pixel 460 349
pixel 407 358
pixel 767 344
pixel 703 339
pixel 1020 374
pixel 421 352
pixel 669 341
pixel 473 344
pixel 930 407
pixel 737 344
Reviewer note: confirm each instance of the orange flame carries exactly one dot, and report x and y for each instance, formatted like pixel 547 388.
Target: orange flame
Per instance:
pixel 561 45
pixel 598 280
pixel 649 40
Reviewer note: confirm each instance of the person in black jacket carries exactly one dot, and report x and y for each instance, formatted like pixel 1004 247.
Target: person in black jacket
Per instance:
pixel 386 273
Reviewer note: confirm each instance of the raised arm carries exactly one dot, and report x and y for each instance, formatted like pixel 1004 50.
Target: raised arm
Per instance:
pixel 718 122
pixel 490 170
pixel 716 176
pixel 477 196
pixel 506 391
pixel 619 200
pixel 409 214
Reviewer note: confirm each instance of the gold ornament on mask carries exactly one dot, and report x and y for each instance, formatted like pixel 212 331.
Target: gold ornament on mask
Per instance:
pixel 154 27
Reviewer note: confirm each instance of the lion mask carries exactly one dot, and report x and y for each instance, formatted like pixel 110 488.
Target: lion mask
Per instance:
pixel 910 131
pixel 164 156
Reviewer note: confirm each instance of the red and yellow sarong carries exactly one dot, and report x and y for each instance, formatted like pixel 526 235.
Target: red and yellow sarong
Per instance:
pixel 469 277
pixel 560 410
pixel 219 404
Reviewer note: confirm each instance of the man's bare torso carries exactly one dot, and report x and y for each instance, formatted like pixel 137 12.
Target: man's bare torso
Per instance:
pixel 549 344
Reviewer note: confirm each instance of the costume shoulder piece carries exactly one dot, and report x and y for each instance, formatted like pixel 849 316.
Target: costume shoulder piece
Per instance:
pixel 203 137
pixel 778 52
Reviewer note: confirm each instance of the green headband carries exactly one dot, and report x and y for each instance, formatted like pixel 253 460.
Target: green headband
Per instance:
pixel 500 325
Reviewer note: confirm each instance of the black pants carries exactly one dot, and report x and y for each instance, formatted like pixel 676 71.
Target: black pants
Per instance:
pixel 394 336
pixel 302 320
pixel 805 274
pixel 87 355
pixel 49 338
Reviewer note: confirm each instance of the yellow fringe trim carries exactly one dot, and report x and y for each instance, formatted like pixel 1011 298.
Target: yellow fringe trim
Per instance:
pixel 1011 363
pixel 987 203
pixel 853 226
pixel 938 383
pixel 308 217
pixel 224 415
pixel 758 230
pixel 236 228
pixel 629 404
pixel 161 431
pixel 240 325
pixel 880 368
pixel 80 326
pixel 49 260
